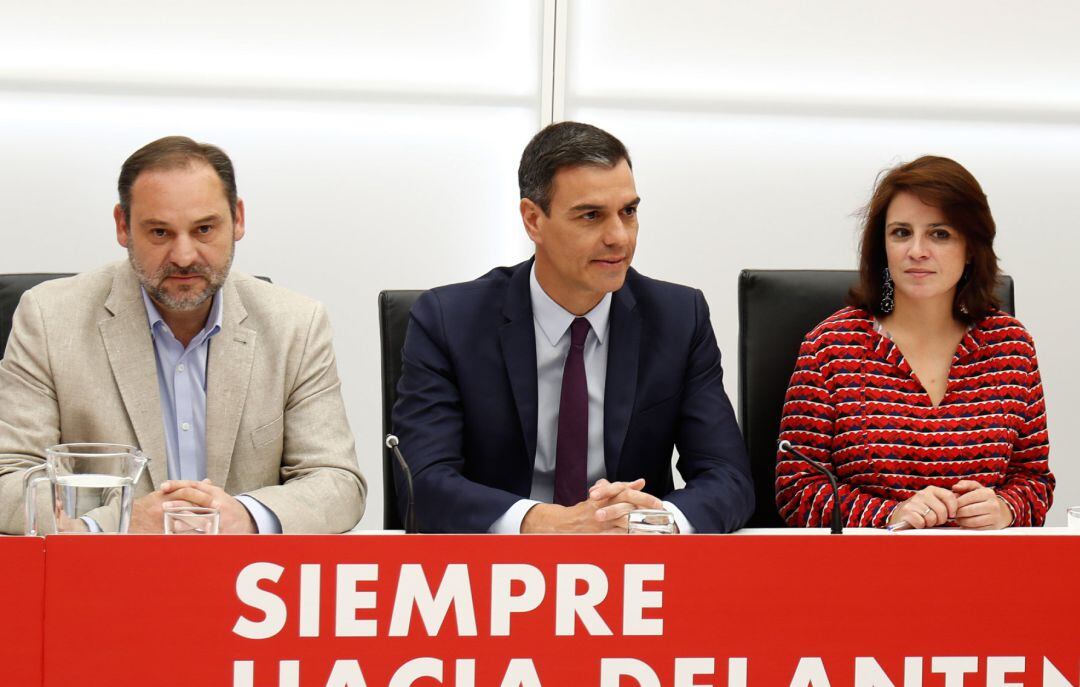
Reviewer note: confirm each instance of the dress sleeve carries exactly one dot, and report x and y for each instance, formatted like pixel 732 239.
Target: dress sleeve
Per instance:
pixel 803 495
pixel 1029 484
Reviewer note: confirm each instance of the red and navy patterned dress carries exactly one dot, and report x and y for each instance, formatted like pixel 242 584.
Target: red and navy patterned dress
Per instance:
pixel 854 404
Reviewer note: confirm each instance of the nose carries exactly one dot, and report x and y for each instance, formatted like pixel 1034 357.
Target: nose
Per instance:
pixel 182 252
pixel 616 233
pixel 918 249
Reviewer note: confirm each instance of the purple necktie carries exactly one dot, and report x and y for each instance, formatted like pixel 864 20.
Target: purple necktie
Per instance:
pixel 572 443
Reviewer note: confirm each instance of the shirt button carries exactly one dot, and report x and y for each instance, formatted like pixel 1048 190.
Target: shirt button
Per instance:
pixel 186 426
pixel 180 367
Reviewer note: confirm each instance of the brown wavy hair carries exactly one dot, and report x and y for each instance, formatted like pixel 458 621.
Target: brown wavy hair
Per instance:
pixel 944 184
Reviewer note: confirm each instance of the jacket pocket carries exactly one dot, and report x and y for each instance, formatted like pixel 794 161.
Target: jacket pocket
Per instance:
pixel 654 405
pixel 268 432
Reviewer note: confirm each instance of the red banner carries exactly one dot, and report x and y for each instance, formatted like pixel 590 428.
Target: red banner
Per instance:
pixel 22 577
pixel 487 611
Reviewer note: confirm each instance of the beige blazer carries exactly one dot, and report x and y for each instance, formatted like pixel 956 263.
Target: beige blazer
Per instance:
pixel 80 367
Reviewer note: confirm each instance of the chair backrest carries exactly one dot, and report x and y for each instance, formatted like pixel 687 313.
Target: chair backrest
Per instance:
pixel 394 309
pixel 12 287
pixel 776 310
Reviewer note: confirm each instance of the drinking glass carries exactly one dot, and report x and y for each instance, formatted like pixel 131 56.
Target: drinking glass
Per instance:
pixel 649 521
pixel 1072 518
pixel 191 520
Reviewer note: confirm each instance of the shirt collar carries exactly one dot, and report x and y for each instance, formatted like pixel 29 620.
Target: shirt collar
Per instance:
pixel 554 319
pixel 213 320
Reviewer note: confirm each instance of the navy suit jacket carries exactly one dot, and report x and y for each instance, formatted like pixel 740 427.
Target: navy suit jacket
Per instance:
pixel 466 409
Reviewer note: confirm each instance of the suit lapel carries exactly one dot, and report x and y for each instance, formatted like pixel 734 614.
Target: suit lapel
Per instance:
pixel 622 373
pixel 228 375
pixel 126 336
pixel 518 339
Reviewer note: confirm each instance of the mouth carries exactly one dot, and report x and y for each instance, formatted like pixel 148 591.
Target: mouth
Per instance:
pixel 184 281
pixel 919 274
pixel 610 262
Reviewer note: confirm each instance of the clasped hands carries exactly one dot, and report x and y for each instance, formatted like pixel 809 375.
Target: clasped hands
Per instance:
pixel 969 503
pixel 604 511
pixel 147 512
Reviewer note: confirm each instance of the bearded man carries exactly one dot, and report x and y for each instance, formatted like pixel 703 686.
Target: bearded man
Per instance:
pixel 226 382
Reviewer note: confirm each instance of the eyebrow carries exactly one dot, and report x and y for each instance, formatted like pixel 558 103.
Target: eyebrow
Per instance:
pixel 593 206
pixel 586 206
pixel 153 222
pixel 934 225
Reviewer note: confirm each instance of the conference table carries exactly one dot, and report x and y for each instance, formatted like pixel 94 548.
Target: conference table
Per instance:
pixel 760 607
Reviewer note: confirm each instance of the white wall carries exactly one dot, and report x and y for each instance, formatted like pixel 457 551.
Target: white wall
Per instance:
pixel 376 143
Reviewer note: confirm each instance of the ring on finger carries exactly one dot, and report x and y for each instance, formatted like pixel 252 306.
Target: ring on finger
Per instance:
pixel 927 511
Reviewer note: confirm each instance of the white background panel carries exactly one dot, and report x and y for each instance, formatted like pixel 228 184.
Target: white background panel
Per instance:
pixel 479 48
pixel 917 54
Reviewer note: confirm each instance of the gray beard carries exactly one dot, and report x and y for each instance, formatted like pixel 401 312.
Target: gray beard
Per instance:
pixel 215 279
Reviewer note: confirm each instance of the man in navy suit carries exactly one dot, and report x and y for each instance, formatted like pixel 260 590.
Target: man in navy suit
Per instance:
pixel 547 397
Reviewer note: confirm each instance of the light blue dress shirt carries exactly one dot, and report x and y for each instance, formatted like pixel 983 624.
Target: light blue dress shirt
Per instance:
pixel 181 374
pixel 551 324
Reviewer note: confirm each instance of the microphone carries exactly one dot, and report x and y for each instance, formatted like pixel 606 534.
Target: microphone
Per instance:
pixel 410 514
pixel 837 520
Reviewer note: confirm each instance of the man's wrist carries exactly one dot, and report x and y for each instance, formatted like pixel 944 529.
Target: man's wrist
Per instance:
pixel 538 519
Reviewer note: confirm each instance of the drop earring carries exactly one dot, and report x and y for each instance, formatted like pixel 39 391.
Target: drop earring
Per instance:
pixel 887 303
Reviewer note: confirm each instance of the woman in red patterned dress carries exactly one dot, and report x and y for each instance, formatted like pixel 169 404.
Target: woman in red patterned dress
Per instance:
pixel 922 396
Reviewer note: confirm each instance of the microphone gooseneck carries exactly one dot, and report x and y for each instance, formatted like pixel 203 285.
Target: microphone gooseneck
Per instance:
pixel 410 511
pixel 837 519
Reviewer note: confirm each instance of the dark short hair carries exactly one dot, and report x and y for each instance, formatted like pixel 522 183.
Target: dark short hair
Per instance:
pixel 172 152
pixel 560 145
pixel 944 184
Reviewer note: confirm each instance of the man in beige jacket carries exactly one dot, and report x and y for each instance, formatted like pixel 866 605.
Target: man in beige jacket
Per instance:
pixel 226 382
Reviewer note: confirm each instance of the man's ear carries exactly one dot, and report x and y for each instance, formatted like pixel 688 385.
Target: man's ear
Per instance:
pixel 238 221
pixel 532 216
pixel 123 233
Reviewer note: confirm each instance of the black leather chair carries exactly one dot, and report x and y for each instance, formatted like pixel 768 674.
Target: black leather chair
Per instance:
pixel 776 310
pixel 394 309
pixel 11 290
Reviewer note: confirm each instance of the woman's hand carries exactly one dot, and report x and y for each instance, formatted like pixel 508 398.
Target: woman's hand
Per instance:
pixel 928 508
pixel 979 507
